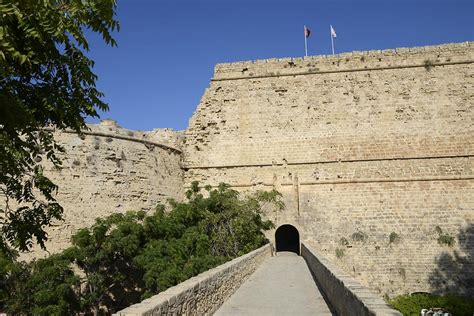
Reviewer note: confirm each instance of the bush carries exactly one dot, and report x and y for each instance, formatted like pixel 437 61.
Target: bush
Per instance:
pixel 428 64
pixel 393 238
pixel 359 236
pixel 413 304
pixel 125 258
pixel 42 287
pixel 343 241
pixel 444 238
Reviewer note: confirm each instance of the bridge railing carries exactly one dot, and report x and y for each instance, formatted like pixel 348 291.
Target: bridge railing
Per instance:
pixel 204 293
pixel 344 293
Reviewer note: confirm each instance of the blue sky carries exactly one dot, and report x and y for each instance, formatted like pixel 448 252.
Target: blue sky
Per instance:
pixel 167 49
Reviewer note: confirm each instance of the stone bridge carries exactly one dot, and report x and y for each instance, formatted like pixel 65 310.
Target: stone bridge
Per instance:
pixel 288 278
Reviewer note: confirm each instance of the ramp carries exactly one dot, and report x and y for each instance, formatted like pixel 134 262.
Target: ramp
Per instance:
pixel 282 285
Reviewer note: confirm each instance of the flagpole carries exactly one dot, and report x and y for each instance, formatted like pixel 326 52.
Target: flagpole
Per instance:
pixel 305 42
pixel 332 38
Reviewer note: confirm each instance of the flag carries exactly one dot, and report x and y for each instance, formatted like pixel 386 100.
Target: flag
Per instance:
pixel 307 31
pixel 333 32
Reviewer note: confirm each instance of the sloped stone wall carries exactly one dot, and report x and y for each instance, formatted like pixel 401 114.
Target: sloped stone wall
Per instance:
pixel 110 169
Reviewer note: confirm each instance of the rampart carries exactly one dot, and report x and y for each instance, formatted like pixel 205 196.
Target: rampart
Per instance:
pixel 110 169
pixel 373 152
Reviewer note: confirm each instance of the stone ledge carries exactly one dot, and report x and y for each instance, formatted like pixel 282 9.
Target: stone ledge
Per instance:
pixel 345 70
pixel 117 136
pixel 388 59
pixel 344 293
pixel 392 51
pixel 204 293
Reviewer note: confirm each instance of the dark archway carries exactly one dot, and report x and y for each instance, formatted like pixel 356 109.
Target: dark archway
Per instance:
pixel 287 238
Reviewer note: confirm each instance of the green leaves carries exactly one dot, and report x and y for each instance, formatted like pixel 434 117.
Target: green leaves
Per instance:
pixel 43 287
pixel 46 80
pixel 125 258
pixel 413 304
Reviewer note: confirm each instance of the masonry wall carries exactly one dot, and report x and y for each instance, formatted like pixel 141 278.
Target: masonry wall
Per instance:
pixel 204 293
pixel 366 144
pixel 110 169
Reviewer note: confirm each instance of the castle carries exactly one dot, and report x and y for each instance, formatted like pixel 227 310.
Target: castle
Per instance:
pixel 373 152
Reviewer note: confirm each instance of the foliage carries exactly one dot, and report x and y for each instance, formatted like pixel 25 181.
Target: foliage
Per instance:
pixel 359 236
pixel 413 304
pixel 45 81
pixel 343 241
pixel 124 258
pixel 43 287
pixel 428 64
pixel 393 238
pixel 104 253
pixel 339 253
pixel 213 229
pixel 444 238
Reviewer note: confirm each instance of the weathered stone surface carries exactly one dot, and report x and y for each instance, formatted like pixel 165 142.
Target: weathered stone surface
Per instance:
pixel 345 294
pixel 378 142
pixel 204 293
pixel 282 285
pixel 110 169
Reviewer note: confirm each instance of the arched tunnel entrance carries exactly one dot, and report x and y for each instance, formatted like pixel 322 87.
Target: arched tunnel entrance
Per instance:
pixel 287 238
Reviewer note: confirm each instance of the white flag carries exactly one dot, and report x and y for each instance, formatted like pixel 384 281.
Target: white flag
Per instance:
pixel 333 32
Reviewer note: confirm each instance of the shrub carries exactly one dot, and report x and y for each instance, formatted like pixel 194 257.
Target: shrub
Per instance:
pixel 124 258
pixel 413 304
pixel 428 64
pixel 343 241
pixel 339 253
pixel 393 238
pixel 444 238
pixel 359 236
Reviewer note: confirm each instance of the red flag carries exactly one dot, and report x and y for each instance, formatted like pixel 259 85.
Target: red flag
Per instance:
pixel 307 31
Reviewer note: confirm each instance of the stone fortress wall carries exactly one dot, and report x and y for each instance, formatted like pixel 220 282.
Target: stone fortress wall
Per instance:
pixel 110 169
pixel 363 146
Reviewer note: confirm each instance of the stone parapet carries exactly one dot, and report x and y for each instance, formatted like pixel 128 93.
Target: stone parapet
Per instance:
pixel 344 293
pixel 426 56
pixel 204 293
pixel 380 142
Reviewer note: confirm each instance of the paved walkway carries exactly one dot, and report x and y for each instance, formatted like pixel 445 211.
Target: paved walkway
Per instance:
pixel 282 285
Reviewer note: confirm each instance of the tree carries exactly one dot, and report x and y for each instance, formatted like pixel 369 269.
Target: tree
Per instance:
pixel 202 233
pixel 46 80
pixel 124 258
